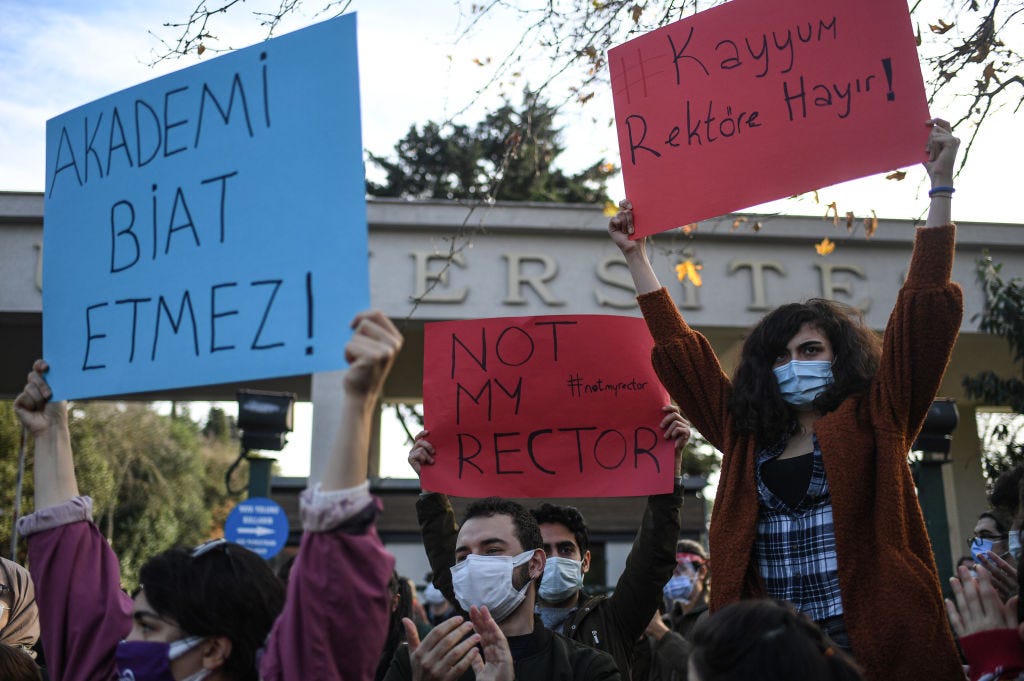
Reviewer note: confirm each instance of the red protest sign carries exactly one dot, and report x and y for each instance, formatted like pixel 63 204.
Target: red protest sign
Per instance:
pixel 756 100
pixel 557 406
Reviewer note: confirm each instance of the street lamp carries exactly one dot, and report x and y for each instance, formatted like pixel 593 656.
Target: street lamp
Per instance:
pixel 936 437
pixel 934 442
pixel 264 419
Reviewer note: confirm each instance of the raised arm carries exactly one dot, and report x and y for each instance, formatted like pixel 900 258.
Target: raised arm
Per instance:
pixel 437 522
pixel 924 324
pixel 82 611
pixel 370 354
pixel 652 558
pixel 620 228
pixel 335 618
pixel 684 360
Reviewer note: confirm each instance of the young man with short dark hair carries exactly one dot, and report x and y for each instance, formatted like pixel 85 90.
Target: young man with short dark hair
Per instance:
pixel 498 560
pixel 612 623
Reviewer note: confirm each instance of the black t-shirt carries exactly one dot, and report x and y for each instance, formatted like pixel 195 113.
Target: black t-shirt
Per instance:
pixel 788 479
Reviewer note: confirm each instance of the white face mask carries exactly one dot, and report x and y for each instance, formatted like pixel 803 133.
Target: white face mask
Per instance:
pixel 562 578
pixel 487 581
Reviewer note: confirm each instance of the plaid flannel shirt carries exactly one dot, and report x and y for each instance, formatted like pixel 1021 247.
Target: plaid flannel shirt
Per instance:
pixel 796 547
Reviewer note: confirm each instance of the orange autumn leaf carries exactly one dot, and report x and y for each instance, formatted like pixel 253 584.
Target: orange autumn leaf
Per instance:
pixel 896 175
pixel 825 247
pixel 849 221
pixel 737 222
pixel 635 12
pixel 610 209
pixel 941 27
pixel 200 49
pixel 689 270
pixel 689 229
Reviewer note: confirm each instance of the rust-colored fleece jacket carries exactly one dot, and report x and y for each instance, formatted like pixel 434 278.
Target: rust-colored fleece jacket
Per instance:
pixel 892 603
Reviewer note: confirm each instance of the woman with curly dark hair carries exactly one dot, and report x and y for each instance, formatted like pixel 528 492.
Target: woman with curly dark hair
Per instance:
pixel 816 504
pixel 759 407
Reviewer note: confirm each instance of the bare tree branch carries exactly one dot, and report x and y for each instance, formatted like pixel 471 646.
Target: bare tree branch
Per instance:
pixel 194 35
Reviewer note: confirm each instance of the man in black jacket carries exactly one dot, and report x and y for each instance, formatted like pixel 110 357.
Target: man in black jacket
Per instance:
pixel 494 578
pixel 615 623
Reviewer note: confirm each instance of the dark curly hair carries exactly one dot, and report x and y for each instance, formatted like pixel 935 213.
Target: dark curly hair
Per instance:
pixel 527 531
pixel 757 405
pixel 227 591
pixel 569 516
pixel 768 641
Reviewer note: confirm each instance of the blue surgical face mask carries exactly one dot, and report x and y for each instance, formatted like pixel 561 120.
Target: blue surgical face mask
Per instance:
pixel 801 382
pixel 562 578
pixel 1015 547
pixel 980 547
pixel 679 588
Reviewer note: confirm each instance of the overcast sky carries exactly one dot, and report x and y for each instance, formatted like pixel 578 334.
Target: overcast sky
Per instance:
pixel 58 54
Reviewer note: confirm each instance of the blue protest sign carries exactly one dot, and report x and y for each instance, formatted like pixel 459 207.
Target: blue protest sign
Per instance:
pixel 259 524
pixel 208 226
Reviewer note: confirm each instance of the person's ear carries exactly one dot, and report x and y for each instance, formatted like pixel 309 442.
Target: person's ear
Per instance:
pixel 216 651
pixel 537 563
pixel 586 562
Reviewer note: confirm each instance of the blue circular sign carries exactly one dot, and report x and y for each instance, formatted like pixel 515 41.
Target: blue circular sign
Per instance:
pixel 259 524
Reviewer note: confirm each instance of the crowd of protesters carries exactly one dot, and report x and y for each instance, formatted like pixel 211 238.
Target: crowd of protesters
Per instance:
pixel 818 565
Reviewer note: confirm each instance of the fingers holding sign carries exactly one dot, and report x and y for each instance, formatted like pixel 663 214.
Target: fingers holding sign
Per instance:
pixel 422 452
pixel 675 426
pixel 620 228
pixel 941 151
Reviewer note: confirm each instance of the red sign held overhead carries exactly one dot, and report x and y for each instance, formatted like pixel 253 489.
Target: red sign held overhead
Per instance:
pixel 756 100
pixel 560 406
